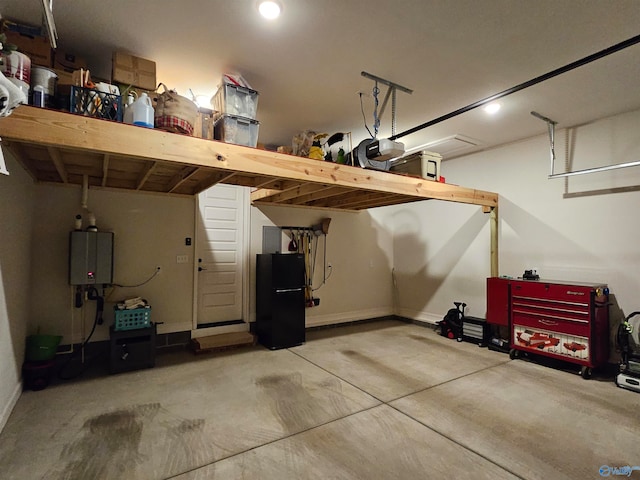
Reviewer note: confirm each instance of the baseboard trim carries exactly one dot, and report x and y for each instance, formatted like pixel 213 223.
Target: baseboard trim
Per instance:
pixel 352 322
pixel 347 317
pixel 8 408
pixel 416 316
pixel 419 323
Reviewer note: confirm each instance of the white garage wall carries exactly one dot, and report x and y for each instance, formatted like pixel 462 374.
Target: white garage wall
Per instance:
pixel 441 250
pixel 16 206
pixel 359 246
pixel 149 231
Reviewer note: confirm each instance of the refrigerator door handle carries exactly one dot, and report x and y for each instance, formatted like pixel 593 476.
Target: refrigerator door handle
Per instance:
pixel 285 290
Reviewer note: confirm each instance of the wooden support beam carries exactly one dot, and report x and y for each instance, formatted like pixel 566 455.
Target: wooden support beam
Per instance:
pixel 349 199
pixel 392 200
pixel 493 219
pixel 325 192
pixel 213 179
pixel 288 189
pixel 59 164
pixel 145 173
pixel 264 203
pixel 292 194
pixel 263 194
pixel 271 183
pixel 243 179
pixel 182 176
pixel 105 169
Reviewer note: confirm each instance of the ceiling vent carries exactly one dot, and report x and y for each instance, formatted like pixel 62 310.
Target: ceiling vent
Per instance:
pixel 450 146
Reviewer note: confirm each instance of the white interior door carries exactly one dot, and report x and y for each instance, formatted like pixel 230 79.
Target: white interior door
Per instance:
pixel 221 246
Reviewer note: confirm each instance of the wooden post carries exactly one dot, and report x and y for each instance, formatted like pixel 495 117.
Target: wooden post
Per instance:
pixel 493 216
pixel 493 220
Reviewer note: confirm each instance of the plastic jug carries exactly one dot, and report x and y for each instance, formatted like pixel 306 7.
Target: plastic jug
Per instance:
pixel 128 110
pixel 142 111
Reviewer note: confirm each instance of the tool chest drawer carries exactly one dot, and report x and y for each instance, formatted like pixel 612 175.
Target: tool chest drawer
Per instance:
pixel 562 293
pixel 573 348
pixel 563 309
pixel 553 324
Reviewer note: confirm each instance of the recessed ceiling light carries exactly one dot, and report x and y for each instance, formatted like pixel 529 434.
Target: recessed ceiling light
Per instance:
pixel 269 9
pixel 492 108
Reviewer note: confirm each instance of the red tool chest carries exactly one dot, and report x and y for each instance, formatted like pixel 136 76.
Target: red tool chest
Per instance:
pixel 565 320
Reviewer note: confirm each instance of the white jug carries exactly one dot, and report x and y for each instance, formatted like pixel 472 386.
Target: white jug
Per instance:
pixel 142 111
pixel 128 110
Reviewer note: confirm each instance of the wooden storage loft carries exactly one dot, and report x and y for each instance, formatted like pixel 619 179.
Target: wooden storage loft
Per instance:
pixel 64 148
pixel 57 147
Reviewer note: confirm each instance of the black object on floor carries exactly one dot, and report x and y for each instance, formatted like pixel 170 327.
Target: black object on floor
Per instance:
pixel 451 324
pixel 37 375
pixel 132 349
pixel 475 330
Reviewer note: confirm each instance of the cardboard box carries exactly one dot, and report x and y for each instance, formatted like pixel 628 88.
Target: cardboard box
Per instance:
pixel 203 127
pixel 68 62
pixel 136 71
pixel 64 77
pixel 30 42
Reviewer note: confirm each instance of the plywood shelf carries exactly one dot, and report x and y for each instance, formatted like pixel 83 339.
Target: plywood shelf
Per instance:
pixel 63 148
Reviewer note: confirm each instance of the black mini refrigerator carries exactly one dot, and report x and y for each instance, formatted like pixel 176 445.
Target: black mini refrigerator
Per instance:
pixel 280 300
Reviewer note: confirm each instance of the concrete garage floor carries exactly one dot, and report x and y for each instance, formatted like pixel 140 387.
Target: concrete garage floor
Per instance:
pixel 384 400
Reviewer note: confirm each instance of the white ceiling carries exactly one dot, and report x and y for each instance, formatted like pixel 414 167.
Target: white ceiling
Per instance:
pixel 307 64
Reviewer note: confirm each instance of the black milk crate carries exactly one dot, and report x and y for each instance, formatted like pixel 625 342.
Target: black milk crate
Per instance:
pixel 92 103
pixel 131 319
pixel 475 330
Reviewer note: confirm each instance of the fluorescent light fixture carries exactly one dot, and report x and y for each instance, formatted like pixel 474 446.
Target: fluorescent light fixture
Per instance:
pixel 269 9
pixel 47 6
pixel 492 108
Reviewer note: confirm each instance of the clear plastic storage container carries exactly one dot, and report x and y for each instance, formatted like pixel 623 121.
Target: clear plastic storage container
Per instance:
pixel 235 100
pixel 237 130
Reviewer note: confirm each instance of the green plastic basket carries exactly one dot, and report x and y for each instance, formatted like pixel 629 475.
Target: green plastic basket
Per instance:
pixel 132 319
pixel 41 347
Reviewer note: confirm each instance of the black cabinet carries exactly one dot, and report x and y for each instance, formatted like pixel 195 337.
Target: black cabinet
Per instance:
pixel 280 307
pixel 132 349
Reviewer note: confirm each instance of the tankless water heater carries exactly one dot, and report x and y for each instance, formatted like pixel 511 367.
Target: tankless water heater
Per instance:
pixel 90 258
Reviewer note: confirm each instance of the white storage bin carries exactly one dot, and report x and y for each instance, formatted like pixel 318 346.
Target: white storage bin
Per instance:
pixel 235 100
pixel 237 130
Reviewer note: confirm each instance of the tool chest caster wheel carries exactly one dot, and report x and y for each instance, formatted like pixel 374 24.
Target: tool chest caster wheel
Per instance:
pixel 585 372
pixel 513 354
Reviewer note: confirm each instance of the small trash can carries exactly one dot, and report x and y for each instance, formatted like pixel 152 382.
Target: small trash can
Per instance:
pixel 37 375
